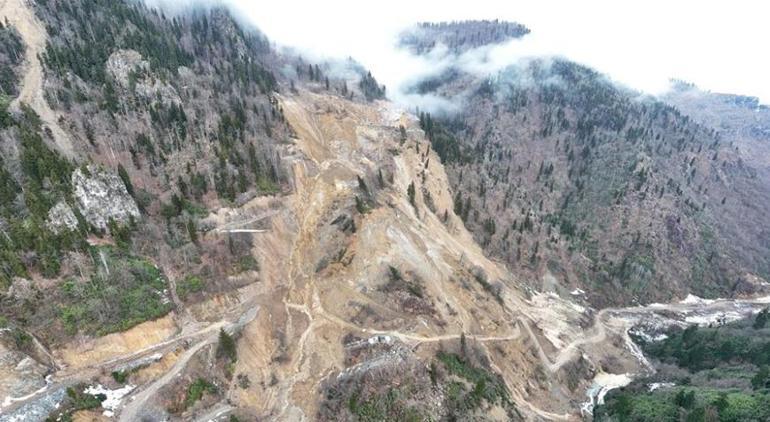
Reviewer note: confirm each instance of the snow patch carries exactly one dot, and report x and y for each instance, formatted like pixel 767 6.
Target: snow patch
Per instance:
pixel 602 384
pixel 114 397
pixel 691 299
pixel 638 354
pixel 649 338
pixel 656 385
pixel 380 340
pixel 11 400
pixel 715 318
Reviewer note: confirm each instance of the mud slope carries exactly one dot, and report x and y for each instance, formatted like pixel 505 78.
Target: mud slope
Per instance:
pixel 298 341
pixel 326 274
pixel 21 17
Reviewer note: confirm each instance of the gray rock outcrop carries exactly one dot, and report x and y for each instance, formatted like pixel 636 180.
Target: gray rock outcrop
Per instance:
pixel 61 217
pixel 101 196
pixel 122 63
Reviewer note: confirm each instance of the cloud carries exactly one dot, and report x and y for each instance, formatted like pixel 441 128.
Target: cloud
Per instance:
pixel 715 44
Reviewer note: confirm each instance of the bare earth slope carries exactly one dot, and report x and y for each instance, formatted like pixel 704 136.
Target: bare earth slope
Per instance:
pixel 322 286
pixel 21 16
pixel 306 306
pixel 347 288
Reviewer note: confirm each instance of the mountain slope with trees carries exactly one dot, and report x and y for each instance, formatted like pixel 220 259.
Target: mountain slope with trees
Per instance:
pixel 578 183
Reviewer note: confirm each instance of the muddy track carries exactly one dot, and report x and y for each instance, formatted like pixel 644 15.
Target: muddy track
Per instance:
pixel 136 404
pixel 21 16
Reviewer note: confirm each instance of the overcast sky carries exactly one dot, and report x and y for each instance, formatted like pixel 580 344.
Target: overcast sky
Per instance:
pixel 721 46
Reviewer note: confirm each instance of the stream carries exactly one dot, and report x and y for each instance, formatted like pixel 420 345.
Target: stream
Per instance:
pixel 651 321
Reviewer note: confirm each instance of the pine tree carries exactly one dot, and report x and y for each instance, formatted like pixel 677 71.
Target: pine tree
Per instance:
pixel 458 205
pixel 126 179
pixel 227 347
pixel 192 231
pixel 410 191
pixel 362 185
pixel 761 319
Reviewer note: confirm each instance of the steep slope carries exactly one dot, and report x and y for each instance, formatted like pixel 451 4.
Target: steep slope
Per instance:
pixel 459 36
pixel 242 234
pixel 365 299
pixel 741 120
pixel 23 19
pixel 361 249
pixel 363 282
pixel 103 236
pixel 580 184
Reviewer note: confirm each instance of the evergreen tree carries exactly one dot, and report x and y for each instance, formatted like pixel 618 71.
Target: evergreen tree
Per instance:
pixel 126 179
pixel 227 347
pixel 192 231
pixel 761 319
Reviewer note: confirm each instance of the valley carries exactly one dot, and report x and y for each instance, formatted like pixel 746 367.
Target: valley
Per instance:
pixel 199 227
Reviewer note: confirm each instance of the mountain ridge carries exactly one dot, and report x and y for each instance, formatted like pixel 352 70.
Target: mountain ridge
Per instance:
pixel 247 235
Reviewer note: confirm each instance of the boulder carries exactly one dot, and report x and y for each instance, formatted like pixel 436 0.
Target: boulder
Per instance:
pixel 101 196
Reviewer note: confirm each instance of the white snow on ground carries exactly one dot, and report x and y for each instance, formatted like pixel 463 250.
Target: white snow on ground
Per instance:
pixel 691 299
pixel 603 383
pixel 610 382
pixel 380 339
pixel 577 292
pixel 649 338
pixel 715 318
pixel 638 354
pixel 114 397
pixel 656 385
pixel 11 400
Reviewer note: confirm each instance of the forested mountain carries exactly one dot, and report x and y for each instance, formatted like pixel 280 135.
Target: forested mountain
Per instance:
pixel 166 111
pixel 198 225
pixel 459 36
pixel 740 119
pixel 568 177
pixel 717 373
pixel 181 108
pixel 156 200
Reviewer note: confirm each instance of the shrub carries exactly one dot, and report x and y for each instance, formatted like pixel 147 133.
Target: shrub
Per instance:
pixel 196 390
pixel 189 285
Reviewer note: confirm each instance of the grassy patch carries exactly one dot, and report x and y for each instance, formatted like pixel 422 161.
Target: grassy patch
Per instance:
pixel 227 349
pixel 124 291
pixel 687 403
pixel 388 407
pixel 247 263
pixel 196 390
pixel 722 375
pixel 189 285
pixel 480 385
